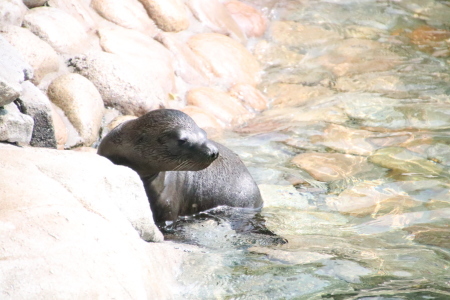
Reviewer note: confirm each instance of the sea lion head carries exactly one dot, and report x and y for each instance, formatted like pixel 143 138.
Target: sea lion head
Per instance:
pixel 161 140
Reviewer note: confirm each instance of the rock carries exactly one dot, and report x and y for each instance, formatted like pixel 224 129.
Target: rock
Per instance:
pixel 116 122
pixel 331 166
pixel 69 215
pixel 228 110
pixel 356 56
pixel 292 257
pixel 229 60
pixel 15 127
pixel 62 31
pixel 119 84
pixel 145 54
pixel 301 36
pixel 344 269
pixel 214 15
pixel 169 15
pixel 188 65
pixel 61 134
pixel 286 95
pixel 251 97
pixel 430 234
pixel 273 55
pixel 370 82
pixel 81 102
pixel 12 12
pixel 129 14
pixel 34 3
pixel 249 19
pixel 13 71
pixel 285 196
pixel 372 198
pixel 40 55
pixel 405 161
pixel 35 104
pixel 204 120
pixel 439 152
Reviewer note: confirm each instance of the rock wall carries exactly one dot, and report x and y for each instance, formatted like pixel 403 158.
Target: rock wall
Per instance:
pixel 72 224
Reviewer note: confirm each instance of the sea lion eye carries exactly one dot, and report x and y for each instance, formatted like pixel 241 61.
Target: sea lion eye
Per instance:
pixel 182 141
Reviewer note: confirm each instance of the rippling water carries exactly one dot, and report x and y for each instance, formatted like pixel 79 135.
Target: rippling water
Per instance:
pixel 353 159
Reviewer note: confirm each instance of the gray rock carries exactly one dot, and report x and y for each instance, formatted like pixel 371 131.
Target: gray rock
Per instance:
pixel 15 127
pixel 67 234
pixel 35 104
pixel 34 3
pixel 12 12
pixel 39 54
pixel 13 71
pixel 120 86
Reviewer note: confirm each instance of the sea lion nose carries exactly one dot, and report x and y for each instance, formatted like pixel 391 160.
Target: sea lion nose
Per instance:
pixel 212 151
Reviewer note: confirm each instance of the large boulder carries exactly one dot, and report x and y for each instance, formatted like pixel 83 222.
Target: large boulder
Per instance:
pixel 67 230
pixel 81 103
pixel 62 31
pixel 36 104
pixel 118 82
pixel 12 12
pixel 36 52
pixel 13 71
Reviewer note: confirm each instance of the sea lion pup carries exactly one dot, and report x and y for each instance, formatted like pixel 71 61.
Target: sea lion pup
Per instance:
pixel 183 172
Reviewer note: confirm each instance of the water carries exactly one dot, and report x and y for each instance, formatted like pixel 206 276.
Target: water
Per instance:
pixel 352 158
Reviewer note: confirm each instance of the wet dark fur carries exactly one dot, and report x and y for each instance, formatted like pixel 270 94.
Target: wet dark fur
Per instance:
pixel 179 166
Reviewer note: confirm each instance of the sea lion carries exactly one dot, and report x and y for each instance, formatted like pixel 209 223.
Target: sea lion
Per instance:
pixel 183 172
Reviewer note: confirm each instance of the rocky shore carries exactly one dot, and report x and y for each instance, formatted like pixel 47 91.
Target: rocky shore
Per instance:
pixel 72 224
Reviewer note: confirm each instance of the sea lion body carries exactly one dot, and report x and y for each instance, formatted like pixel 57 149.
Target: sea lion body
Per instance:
pixel 183 172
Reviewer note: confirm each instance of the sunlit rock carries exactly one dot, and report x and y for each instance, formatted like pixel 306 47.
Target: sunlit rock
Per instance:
pixel 130 14
pixel 36 52
pixel 273 55
pixel 286 95
pixel 403 160
pixel 169 15
pixel 149 58
pixel 373 198
pixel 228 110
pixel 15 127
pixel 65 130
pixel 81 102
pixel 35 103
pixel 13 71
pixel 249 19
pixel 251 97
pixel 61 134
pixel 188 65
pixel 119 84
pixel 229 60
pixel 62 31
pixel 331 166
pixel 344 269
pixel 301 36
pixel 356 56
pixel 282 196
pixel 12 12
pixel 204 119
pixel 215 16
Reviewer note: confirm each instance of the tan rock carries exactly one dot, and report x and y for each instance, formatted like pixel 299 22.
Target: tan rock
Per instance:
pixel 215 15
pixel 229 60
pixel 249 19
pixel 331 166
pixel 204 120
pixel 119 84
pixel 252 98
pixel 66 130
pixel 228 110
pixel 169 15
pixel 301 36
pixel 286 95
pixel 12 12
pixel 149 59
pixel 81 103
pixel 270 55
pixel 61 134
pixel 116 122
pixel 40 55
pixel 62 31
pixel 34 3
pixel 130 14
